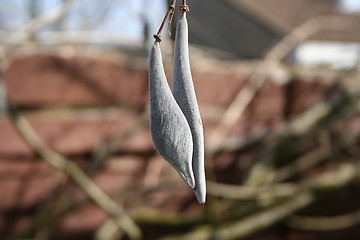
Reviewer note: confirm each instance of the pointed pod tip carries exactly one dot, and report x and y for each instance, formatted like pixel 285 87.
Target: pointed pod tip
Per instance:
pixel 188 178
pixel 191 183
pixel 200 196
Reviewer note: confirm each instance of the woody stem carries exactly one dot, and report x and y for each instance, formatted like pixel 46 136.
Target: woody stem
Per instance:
pixel 157 36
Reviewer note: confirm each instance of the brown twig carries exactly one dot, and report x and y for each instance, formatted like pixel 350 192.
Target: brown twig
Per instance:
pixel 157 36
pixel 76 174
pixel 239 143
pixel 27 30
pixel 48 216
pixel 251 224
pixel 238 106
pixel 331 223
pixel 30 28
pixel 307 194
pixel 250 192
pixel 263 171
pixel 109 147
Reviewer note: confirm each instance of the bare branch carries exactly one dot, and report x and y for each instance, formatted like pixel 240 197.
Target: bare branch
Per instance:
pixel 26 31
pixel 238 106
pixel 325 223
pixel 76 174
pixel 250 192
pixel 263 171
pixel 168 14
pixel 109 147
pixel 306 195
pixel 29 29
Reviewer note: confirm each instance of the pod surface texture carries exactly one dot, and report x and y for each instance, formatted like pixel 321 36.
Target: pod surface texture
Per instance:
pixel 184 93
pixel 169 128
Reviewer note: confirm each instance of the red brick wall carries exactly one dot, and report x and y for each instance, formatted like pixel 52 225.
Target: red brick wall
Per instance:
pixel 76 104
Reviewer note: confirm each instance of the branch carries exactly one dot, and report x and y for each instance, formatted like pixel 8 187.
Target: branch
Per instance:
pixel 249 225
pixel 238 143
pixel 309 159
pixel 250 192
pixel 307 194
pixel 263 170
pixel 76 174
pixel 238 106
pixel 109 147
pixel 84 37
pixel 108 231
pixel 157 36
pixel 27 30
pixel 54 159
pixel 325 223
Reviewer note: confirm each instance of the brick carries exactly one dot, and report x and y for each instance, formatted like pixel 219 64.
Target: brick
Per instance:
pixel 41 80
pixel 73 136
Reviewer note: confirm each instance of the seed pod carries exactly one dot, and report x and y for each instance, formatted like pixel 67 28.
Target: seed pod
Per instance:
pixel 170 131
pixel 184 93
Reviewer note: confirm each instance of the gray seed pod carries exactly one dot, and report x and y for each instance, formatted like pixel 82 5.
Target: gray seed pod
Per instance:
pixel 170 131
pixel 184 93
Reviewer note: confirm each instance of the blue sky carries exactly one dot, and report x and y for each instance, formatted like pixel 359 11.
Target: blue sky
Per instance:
pixel 123 16
pixel 351 5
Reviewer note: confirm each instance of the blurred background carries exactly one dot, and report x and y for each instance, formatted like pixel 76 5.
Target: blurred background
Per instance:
pixel 278 87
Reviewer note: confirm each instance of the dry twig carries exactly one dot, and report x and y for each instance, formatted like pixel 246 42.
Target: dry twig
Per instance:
pixel 325 223
pixel 263 170
pixel 76 174
pixel 53 158
pixel 238 106
pixel 12 42
pixel 307 194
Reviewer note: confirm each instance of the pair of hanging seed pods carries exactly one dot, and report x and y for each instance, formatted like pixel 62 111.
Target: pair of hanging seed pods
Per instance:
pixel 175 121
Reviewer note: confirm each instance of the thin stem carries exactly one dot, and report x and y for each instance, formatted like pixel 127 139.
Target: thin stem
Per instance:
pixel 157 36
pixel 184 7
pixel 76 174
